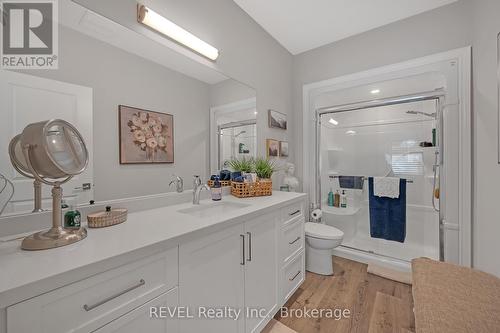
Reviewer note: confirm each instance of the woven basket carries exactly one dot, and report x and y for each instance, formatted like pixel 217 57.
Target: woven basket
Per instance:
pixel 246 190
pixel 106 219
pixel 223 183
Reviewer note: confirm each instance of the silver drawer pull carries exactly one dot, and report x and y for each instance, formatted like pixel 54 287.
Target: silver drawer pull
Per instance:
pixel 93 306
pixel 295 241
pixel 295 276
pixel 294 213
pixel 249 246
pixel 243 250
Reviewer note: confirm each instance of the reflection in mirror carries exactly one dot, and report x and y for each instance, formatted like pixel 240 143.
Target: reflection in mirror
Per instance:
pixel 233 117
pixel 104 64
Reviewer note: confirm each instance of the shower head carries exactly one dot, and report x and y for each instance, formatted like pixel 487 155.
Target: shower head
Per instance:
pixel 240 133
pixel 432 115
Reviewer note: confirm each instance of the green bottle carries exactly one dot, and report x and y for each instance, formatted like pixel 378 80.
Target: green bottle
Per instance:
pixel 330 198
pixel 72 219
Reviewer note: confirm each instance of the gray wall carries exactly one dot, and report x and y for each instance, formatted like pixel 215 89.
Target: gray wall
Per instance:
pixel 118 77
pixel 229 91
pixel 247 52
pixel 436 31
pixel 457 25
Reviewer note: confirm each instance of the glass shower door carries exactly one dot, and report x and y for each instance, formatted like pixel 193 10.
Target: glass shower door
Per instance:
pixel 397 141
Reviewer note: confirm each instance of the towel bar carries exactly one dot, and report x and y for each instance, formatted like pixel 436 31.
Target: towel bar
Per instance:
pixel 408 181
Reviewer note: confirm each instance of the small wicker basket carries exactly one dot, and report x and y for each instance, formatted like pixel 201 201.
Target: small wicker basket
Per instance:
pixel 223 183
pixel 246 190
pixel 108 218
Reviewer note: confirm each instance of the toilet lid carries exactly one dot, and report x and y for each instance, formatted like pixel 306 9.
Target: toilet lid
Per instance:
pixel 319 230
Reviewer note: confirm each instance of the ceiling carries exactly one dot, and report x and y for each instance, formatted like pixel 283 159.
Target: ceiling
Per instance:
pixel 302 25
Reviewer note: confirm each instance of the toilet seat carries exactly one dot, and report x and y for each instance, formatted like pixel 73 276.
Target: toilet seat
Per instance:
pixel 322 231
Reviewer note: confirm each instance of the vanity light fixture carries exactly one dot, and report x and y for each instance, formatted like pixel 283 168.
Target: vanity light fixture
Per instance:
pixel 333 122
pixel 166 27
pixel 375 91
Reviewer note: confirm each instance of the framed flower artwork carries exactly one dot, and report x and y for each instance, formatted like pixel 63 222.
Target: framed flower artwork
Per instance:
pixel 146 137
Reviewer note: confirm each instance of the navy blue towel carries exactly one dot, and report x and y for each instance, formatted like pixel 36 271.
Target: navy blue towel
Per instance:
pixel 387 215
pixel 352 182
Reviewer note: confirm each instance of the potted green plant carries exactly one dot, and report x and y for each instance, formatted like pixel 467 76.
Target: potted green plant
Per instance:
pixel 265 168
pixel 244 165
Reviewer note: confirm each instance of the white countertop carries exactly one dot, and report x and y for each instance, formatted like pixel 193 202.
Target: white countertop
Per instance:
pixel 143 229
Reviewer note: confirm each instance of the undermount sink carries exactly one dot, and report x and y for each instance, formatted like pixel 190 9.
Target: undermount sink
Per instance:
pixel 212 208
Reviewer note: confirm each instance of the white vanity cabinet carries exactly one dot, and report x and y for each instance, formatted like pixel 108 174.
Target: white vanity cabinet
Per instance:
pixel 94 302
pixel 212 274
pixel 234 268
pixel 261 270
pixel 244 268
pixel 247 267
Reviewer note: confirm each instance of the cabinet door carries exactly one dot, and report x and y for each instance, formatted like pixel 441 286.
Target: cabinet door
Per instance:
pixel 261 275
pixel 211 276
pixel 141 320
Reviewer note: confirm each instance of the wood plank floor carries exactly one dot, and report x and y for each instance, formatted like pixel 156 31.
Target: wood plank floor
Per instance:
pixel 351 287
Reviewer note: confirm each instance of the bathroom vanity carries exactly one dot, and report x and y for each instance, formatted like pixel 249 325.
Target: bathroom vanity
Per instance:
pixel 236 254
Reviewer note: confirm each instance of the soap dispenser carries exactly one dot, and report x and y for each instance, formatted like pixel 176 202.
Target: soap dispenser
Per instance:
pixel 343 200
pixel 216 190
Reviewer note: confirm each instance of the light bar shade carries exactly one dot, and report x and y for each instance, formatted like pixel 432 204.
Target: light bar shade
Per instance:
pixel 159 23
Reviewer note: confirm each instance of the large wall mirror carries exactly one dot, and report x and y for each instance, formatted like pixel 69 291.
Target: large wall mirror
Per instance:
pixel 105 62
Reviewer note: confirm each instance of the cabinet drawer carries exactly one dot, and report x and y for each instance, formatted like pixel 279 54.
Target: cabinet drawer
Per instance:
pixel 292 239
pixel 93 302
pixel 293 211
pixel 293 276
pixel 148 317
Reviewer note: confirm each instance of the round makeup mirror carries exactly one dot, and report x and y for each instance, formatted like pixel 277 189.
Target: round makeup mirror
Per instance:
pixel 19 162
pixel 51 152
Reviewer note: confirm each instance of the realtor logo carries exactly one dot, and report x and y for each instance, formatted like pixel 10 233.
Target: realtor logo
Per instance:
pixel 29 34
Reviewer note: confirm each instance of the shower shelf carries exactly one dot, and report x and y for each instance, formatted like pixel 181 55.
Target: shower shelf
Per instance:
pixel 340 211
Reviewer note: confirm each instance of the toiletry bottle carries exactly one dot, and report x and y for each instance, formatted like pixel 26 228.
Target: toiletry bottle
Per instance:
pixel 343 200
pixel 72 218
pixel 330 198
pixel 216 190
pixel 337 199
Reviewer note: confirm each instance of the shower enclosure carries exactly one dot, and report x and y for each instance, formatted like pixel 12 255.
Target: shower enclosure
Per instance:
pixel 397 137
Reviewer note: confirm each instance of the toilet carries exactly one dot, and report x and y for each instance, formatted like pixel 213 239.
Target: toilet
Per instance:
pixel 321 239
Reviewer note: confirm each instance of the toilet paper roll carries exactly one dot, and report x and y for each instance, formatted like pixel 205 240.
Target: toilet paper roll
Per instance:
pixel 316 214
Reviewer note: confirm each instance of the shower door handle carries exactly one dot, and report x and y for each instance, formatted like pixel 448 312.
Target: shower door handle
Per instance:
pixel 441 133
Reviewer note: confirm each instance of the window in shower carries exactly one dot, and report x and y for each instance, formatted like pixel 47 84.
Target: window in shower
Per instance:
pixel 392 141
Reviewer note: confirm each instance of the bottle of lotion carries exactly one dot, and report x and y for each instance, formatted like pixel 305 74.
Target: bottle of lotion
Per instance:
pixel 337 199
pixel 216 190
pixel 330 198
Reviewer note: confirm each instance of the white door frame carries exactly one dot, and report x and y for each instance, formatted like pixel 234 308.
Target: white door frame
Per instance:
pixel 462 57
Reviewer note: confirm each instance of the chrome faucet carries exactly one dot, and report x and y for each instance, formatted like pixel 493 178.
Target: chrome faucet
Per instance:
pixel 197 188
pixel 179 183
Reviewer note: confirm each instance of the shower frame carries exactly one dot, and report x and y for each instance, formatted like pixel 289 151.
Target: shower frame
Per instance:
pixel 437 95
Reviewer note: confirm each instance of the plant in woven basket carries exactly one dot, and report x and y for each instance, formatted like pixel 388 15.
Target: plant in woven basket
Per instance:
pixel 265 167
pixel 243 165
